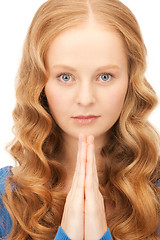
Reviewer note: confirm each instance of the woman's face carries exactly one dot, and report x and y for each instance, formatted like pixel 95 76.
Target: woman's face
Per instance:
pixel 87 68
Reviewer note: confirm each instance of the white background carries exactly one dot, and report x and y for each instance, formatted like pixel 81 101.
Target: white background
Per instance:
pixel 15 18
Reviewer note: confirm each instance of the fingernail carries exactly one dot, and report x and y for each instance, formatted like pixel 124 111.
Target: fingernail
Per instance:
pixel 90 139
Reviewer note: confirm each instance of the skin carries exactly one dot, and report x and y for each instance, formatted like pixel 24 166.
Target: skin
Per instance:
pixel 86 92
pixel 84 213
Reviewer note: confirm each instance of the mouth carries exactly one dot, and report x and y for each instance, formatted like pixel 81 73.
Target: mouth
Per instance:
pixel 85 119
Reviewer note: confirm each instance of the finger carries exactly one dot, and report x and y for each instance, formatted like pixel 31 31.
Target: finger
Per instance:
pixel 89 163
pixel 94 166
pixel 91 168
pixel 95 174
pixel 78 153
pixel 81 173
pixel 79 176
pixel 78 161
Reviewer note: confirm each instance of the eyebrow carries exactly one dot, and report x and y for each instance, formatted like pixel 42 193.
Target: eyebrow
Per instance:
pixel 111 66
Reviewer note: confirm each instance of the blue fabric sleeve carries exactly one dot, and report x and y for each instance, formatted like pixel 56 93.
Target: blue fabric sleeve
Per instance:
pixel 61 235
pixel 158 183
pixel 107 235
pixel 5 220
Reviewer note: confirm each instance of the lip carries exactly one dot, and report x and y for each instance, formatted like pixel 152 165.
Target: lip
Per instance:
pixel 85 116
pixel 83 120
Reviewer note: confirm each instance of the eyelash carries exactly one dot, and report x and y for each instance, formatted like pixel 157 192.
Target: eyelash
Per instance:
pixel 64 73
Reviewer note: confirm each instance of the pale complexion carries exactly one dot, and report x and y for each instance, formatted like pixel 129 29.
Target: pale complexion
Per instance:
pixel 86 49
pixel 95 82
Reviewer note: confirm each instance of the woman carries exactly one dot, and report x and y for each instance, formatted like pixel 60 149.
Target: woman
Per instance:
pixel 82 77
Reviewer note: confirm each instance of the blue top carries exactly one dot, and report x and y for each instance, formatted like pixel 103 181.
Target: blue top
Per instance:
pixel 6 222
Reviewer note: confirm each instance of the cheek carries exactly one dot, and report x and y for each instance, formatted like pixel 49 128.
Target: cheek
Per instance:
pixel 118 97
pixel 57 100
pixel 116 100
pixel 54 98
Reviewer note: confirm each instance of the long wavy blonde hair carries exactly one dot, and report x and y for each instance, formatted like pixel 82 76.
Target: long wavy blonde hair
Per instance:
pixel 132 158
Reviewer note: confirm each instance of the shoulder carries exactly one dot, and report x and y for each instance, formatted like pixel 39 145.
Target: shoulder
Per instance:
pixel 4 173
pixel 5 220
pixel 158 183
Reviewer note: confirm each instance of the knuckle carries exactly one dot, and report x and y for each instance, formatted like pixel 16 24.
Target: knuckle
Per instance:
pixel 82 159
pixel 89 184
pixel 81 172
pixel 80 185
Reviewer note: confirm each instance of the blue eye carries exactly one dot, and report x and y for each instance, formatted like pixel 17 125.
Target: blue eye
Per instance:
pixel 106 77
pixel 65 77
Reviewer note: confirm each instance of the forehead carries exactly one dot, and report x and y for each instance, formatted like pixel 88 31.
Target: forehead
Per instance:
pixel 89 44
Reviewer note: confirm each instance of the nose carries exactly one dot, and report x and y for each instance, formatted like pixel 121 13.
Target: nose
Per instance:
pixel 85 94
